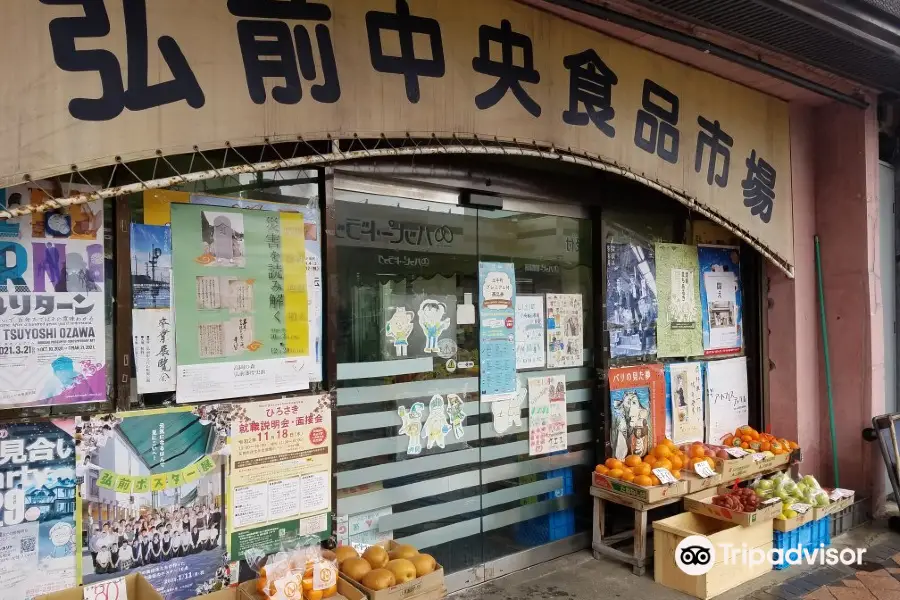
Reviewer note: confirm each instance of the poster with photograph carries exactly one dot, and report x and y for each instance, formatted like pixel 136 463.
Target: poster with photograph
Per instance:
pixel 280 482
pixel 565 331
pixel 637 406
pixel 631 300
pixel 153 498
pixel 720 295
pixel 679 323
pixel 151 266
pixel 37 509
pixel 684 402
pixel 497 334
pixel 52 306
pixel 547 420
pixel 419 325
pixel 727 405
pixel 242 311
pixel 153 341
pixel 530 347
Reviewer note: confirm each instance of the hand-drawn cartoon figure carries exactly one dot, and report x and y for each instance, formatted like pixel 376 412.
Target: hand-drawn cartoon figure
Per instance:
pixel 436 425
pixel 399 327
pixel 509 412
pixel 632 425
pixel 62 536
pixel 433 323
pixel 457 415
pixel 412 426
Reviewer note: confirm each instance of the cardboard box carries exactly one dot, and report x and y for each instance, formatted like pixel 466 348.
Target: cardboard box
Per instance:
pixel 704 506
pixel 137 587
pixel 795 522
pixel 833 507
pixel 667 533
pixel 427 587
pixel 736 468
pixel 696 483
pixel 649 495
pixel 247 591
pixel 773 463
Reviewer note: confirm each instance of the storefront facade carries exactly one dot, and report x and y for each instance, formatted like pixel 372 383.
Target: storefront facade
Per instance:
pixel 295 238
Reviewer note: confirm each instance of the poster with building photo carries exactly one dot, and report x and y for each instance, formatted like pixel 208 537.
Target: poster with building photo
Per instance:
pixel 631 304
pixel 52 305
pixel 565 331
pixel 153 498
pixel 151 266
pixel 242 311
pixel 530 346
pixel 721 298
pixel 685 414
pixel 679 322
pixel 37 509
pixel 419 325
pixel 280 476
pixel 637 406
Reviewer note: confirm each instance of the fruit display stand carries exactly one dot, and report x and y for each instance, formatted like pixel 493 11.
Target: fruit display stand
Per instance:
pixel 426 586
pixel 641 500
pixel 705 506
pixel 725 536
pixel 249 591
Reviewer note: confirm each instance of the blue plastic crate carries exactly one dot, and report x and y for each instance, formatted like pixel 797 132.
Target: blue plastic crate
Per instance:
pixel 568 487
pixel 814 534
pixel 546 528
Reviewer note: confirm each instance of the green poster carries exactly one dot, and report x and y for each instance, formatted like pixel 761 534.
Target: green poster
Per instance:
pixel 241 302
pixel 107 479
pixel 123 484
pixel 189 474
pixel 141 485
pixel 679 327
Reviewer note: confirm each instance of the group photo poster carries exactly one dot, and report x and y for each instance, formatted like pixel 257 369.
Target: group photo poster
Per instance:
pixel 497 333
pixel 631 304
pixel 679 329
pixel 37 509
pixel 637 405
pixel 721 297
pixel 52 305
pixel 153 497
pixel 279 490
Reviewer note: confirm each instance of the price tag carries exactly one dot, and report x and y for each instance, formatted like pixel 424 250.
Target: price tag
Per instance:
pixel 770 501
pixel 758 456
pixel 702 469
pixel 836 495
pixel 736 452
pixel 324 575
pixel 106 590
pixel 755 481
pixel 800 507
pixel 843 493
pixel 664 476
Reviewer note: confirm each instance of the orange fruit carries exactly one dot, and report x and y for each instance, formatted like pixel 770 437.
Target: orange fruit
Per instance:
pixel 615 473
pixel 650 460
pixel 663 463
pixel 314 594
pixel 601 469
pixel 745 445
pixel 676 461
pixel 669 443
pixel 763 446
pixel 329 592
pixel 613 463
pixel 747 438
pixel 643 469
pixel 632 460
pixel 307 584
pixel 626 470
pixel 662 452
pixel 628 477
pixel 654 480
pixel 711 462
pixel 698 451
pixel 794 445
pixel 643 480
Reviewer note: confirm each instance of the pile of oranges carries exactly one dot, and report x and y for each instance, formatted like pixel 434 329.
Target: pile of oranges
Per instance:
pixel 638 470
pixel 749 439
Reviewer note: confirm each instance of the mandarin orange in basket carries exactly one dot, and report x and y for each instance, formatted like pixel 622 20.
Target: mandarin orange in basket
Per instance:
pixel 613 463
pixel 632 460
pixel 643 480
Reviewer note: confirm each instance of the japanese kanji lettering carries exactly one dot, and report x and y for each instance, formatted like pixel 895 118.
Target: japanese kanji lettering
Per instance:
pixel 509 75
pixel 656 129
pixel 759 187
pixel 590 84
pixel 719 143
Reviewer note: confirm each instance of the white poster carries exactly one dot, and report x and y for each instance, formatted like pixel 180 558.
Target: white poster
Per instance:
pixel 685 396
pixel 547 424
pixel 153 339
pixel 727 405
pixel 52 315
pixel 721 293
pixel 565 331
pixel 530 348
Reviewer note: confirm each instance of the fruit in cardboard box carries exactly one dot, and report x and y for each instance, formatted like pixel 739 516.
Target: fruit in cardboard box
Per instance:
pixel 424 564
pixel 379 579
pixel 740 499
pixel 402 569
pixel 376 556
pixel 342 553
pixel 402 551
pixel 355 568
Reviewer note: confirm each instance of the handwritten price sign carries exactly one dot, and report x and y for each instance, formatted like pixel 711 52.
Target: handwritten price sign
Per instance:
pixel 106 590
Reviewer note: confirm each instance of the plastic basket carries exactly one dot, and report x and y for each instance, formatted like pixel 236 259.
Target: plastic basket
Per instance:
pixel 815 534
pixel 547 528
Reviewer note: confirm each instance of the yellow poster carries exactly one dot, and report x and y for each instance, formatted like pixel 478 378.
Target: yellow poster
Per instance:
pixel 158 205
pixel 280 484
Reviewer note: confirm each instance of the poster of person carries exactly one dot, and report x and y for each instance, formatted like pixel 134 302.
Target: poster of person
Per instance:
pixel 637 406
pixel 565 331
pixel 153 498
pixel 241 301
pixel 151 265
pixel 685 416
pixel 37 508
pixel 720 295
pixel 419 325
pixel 678 324
pixel 52 306
pixel 631 300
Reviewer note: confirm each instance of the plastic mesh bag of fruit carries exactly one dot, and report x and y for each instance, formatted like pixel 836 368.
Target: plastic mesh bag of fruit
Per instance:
pixel 303 572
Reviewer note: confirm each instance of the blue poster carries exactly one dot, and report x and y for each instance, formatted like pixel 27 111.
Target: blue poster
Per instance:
pixel 37 519
pixel 151 265
pixel 720 300
pixel 497 337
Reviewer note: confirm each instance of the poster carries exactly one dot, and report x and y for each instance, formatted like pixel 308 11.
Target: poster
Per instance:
pixel 678 327
pixel 530 332
pixel 37 518
pixel 637 406
pixel 52 306
pixel 720 295
pixel 152 498
pixel 684 402
pixel 153 341
pixel 727 406
pixel 151 266
pixel 280 474
pixel 565 331
pixel 547 424
pixel 362 530
pixel 497 338
pixel 241 307
pixel 419 325
pixel 631 305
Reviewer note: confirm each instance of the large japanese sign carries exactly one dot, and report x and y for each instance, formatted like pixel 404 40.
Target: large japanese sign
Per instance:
pixel 52 317
pixel 124 78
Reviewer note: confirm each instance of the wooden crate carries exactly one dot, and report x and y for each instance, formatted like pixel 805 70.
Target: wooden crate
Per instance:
pixel 649 495
pixel 667 533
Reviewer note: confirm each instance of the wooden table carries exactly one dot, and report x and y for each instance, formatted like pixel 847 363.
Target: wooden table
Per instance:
pixel 603 546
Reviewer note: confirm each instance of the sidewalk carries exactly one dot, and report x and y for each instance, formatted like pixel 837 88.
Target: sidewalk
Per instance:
pixel 580 577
